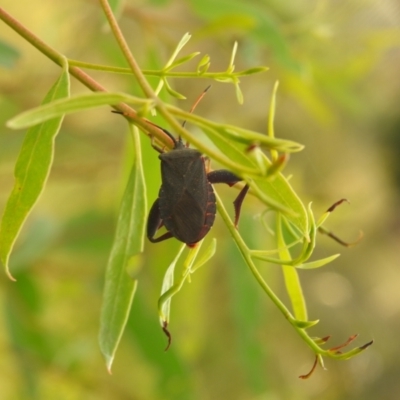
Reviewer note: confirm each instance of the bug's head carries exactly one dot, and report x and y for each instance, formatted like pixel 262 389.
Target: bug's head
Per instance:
pixel 178 143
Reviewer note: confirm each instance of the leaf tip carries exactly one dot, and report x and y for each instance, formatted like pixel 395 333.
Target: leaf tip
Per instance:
pixel 366 345
pixel 109 363
pixel 8 273
pixel 308 374
pixel 11 124
pixel 167 333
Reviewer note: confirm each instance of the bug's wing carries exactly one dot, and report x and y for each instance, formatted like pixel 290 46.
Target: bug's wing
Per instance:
pixel 184 198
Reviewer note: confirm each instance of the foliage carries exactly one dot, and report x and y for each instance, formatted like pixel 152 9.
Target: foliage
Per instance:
pixel 295 229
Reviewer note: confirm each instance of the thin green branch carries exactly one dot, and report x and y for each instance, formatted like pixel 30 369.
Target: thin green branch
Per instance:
pixel 297 325
pixel 165 73
pixel 245 251
pixel 147 90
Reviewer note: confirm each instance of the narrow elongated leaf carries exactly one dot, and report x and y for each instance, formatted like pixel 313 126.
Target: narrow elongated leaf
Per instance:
pixel 168 283
pixel 173 92
pixel 181 61
pixel 206 256
pixel 251 137
pixel 203 65
pixel 271 117
pixel 254 70
pixel 291 277
pixel 304 324
pixel 241 135
pixel 233 150
pixel 186 37
pixel 280 191
pixel 124 259
pixel 31 172
pixel 169 288
pixel 70 105
pixel 318 263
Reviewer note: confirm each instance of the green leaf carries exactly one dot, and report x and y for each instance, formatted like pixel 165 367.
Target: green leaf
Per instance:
pixel 206 256
pixel 169 288
pixel 304 324
pixel 251 137
pixel 181 61
pixel 233 150
pixel 239 94
pixel 321 341
pixel 31 172
pixel 185 38
pixel 224 79
pixel 203 65
pixel 231 66
pixel 168 283
pixel 251 71
pixel 172 92
pixel 70 105
pixel 351 353
pixel 309 247
pixel 318 263
pixel 279 190
pixel 271 116
pixel 124 259
pixel 291 277
pixel 274 191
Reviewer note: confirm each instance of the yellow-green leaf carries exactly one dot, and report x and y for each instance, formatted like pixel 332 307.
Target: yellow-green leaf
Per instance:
pixel 70 105
pixel 291 277
pixel 31 171
pixel 304 324
pixel 318 263
pixel 124 259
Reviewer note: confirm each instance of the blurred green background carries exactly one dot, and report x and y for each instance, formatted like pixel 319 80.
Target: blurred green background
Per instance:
pixel 338 64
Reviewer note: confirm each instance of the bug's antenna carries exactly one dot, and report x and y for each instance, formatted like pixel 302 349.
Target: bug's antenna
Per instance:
pixel 195 105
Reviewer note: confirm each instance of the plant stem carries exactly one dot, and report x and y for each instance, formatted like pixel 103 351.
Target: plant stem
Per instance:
pixel 147 90
pixel 246 253
pixel 160 73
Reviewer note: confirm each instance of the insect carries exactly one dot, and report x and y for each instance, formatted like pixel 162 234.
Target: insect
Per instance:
pixel 186 201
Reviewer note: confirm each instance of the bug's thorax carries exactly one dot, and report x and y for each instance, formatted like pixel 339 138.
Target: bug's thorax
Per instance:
pixel 180 153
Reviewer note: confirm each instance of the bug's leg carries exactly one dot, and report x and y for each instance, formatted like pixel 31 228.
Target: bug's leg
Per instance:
pixel 228 177
pixel 223 176
pixel 155 147
pixel 154 223
pixel 237 203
